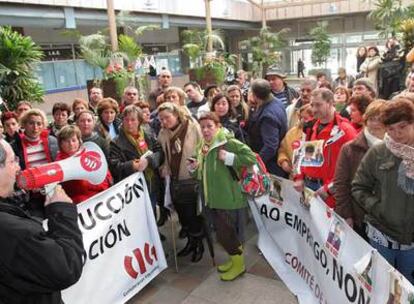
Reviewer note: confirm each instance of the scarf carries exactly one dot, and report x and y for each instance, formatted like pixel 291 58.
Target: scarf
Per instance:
pixel 141 146
pixel 371 139
pixel 406 169
pixel 176 148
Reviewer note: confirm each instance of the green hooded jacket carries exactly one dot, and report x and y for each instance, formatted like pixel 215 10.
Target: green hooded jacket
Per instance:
pixel 221 190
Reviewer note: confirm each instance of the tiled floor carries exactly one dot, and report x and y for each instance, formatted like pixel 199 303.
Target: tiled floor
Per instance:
pixel 200 283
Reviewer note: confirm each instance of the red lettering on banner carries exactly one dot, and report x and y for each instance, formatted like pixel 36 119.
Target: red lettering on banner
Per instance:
pixel 128 267
pixel 141 259
pixel 141 263
pixel 147 254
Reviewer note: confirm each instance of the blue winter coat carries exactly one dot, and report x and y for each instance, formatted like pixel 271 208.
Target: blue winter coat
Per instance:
pixel 266 129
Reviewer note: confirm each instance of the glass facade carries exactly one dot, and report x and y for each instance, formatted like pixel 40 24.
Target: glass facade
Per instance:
pixel 343 52
pixel 73 74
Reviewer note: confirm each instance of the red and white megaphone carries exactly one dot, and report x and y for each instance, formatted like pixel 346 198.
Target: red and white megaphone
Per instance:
pixel 89 164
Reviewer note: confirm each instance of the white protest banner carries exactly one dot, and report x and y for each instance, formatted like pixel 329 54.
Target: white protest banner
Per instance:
pixel 122 244
pixel 318 256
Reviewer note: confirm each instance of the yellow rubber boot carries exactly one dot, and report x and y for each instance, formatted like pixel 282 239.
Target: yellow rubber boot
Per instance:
pixel 225 266
pixel 236 270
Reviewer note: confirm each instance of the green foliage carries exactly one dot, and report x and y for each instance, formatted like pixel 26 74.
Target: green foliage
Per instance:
pixel 129 47
pixel 130 23
pixel 195 42
pixel 387 16
pixel 407 30
pixel 118 66
pixel 19 56
pixel 265 48
pixel 95 50
pixel 321 47
pixel 143 28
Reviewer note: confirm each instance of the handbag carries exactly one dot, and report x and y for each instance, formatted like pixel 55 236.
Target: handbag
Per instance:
pixel 184 191
pixel 254 180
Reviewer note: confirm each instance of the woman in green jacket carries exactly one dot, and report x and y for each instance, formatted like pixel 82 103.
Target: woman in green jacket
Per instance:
pixel 217 152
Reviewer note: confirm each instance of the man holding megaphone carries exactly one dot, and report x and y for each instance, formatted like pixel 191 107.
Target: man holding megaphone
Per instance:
pixel 35 265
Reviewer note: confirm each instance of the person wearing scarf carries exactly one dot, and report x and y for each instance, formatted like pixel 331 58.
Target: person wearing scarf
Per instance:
pixel 384 187
pixel 178 137
pixel 133 150
pixel 349 159
pixel 222 193
pixel 61 113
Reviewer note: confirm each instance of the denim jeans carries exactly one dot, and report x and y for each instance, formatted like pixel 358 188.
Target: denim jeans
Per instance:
pixel 402 260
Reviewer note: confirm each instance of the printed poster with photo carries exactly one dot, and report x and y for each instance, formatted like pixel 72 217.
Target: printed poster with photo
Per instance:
pixel 336 236
pixel 307 154
pixel 311 153
pixel 364 269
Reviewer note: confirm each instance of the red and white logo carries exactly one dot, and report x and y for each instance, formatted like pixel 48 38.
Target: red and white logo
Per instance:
pixel 90 160
pixel 149 256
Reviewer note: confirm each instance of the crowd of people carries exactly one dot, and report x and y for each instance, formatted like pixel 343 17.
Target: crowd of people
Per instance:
pixel 354 150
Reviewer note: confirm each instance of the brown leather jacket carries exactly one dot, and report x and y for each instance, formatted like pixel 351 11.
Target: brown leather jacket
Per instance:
pixel 348 162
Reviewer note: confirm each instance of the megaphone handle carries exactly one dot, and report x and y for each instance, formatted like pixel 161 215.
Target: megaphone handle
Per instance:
pixel 49 189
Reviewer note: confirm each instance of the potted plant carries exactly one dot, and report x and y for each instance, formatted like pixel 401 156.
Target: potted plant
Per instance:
pixel 206 67
pixel 265 49
pixel 321 48
pixel 19 56
pixel 387 17
pixel 118 67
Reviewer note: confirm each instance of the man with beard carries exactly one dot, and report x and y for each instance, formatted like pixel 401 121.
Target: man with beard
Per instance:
pixel 335 131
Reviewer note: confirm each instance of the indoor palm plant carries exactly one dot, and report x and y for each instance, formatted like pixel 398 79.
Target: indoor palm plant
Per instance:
pixel 206 67
pixel 19 56
pixel 265 48
pixel 118 67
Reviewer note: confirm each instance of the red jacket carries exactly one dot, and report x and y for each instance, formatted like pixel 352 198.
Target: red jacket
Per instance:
pixel 332 147
pixel 81 190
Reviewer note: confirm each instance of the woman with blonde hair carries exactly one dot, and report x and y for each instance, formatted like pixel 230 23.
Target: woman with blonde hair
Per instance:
pixel 79 105
pixel 35 148
pixel 178 138
pixel 175 95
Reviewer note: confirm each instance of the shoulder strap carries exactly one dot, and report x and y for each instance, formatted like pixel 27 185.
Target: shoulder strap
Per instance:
pixel 233 172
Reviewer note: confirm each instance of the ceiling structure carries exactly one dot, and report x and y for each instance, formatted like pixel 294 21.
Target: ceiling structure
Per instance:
pixel 272 4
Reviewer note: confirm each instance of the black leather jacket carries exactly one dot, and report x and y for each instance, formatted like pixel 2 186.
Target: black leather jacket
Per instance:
pixel 36 265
